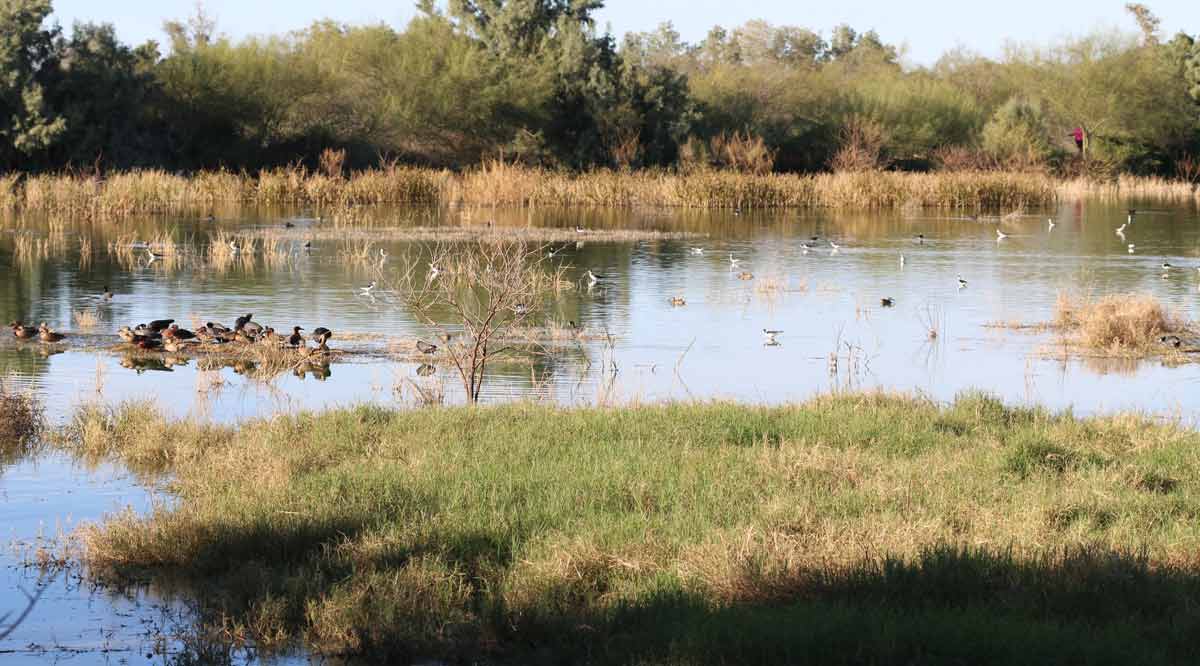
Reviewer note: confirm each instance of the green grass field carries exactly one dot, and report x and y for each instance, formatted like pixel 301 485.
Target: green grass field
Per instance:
pixel 862 529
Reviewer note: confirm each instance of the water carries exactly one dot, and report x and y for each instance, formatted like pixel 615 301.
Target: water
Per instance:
pixel 826 303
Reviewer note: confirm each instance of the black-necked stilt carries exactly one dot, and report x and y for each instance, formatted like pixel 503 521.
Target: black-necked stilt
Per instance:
pixel 1000 235
pixel 1132 248
pixel 108 295
pixel 962 284
pixel 770 335
pixel 901 261
pixel 698 251
pixel 887 302
pixel 383 256
pixel 734 263
pixel 593 278
pixel 1050 222
pixel 1167 266
pixel 368 289
pixel 308 246
pixel 1121 229
pixel 1132 213
pixel 554 253
pixel 920 238
pixel 154 256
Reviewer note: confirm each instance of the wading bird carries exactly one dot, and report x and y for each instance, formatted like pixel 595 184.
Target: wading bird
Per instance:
pixel 770 335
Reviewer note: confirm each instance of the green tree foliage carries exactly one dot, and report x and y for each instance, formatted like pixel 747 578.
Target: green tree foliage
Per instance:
pixel 536 81
pixel 26 54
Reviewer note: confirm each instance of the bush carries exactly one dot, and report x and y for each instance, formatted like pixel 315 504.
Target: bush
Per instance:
pixel 1017 134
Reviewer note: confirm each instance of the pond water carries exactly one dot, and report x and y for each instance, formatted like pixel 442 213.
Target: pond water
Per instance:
pixel 836 334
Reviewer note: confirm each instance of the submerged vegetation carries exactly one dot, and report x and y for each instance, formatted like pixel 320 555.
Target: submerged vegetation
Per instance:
pixel 676 534
pixel 536 83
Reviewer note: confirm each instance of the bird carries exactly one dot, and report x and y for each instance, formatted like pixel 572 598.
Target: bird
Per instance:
pixel 108 295
pixel 252 328
pixel 46 334
pixel 142 330
pixel 678 301
pixel 434 271
pixel 920 238
pixel 240 322
pixel 307 246
pixel 1121 229
pixel 289 225
pixel 745 275
pixel 1171 340
pixel 961 282
pixel 368 289
pixel 579 229
pixel 593 278
pixel 160 325
pixel 321 334
pixel 154 256
pixel 835 246
pixel 22 332
pixel 553 253
pixel 234 247
pixel 176 333
pixel 1050 221
pixel 520 309
pixel 383 256
pixel 426 348
pixel 1167 266
pixel 887 302
pixel 1132 247
pixel 902 261
pixel 734 263
pixel 269 337
pixel 295 339
pixel 147 343
pixel 1000 235
pixel 698 251
pixel 1132 213
pixel 770 336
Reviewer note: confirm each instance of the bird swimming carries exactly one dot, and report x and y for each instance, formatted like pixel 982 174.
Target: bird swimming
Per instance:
pixel 887 302
pixel 678 301
pixel 22 332
pixel 46 334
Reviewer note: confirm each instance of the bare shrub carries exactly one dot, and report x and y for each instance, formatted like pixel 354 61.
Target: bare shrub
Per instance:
pixel 1119 322
pixel 1187 168
pixel 862 141
pixel 332 162
pixel 742 152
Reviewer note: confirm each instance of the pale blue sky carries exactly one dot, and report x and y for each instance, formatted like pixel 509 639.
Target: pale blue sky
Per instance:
pixel 926 27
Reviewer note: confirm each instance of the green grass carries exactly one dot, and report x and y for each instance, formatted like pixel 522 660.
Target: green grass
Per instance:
pixel 853 529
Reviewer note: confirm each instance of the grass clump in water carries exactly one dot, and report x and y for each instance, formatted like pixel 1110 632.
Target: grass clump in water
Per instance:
pixel 1119 323
pixel 677 534
pixel 21 422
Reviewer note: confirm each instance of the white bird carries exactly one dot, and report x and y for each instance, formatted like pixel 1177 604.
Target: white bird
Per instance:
pixel 593 278
pixel 368 289
pixel 769 336
pixel 902 261
pixel 835 246
pixel 1132 247
pixel 1000 235
pixel 579 230
pixel 233 247
pixel 383 256
pixel 521 309
pixel 734 263
pixel 962 284
pixel 434 271
pixel 698 251
pixel 1121 229
pixel 154 256
pixel 1051 221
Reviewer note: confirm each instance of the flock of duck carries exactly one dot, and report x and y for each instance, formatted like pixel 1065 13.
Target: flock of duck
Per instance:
pixel 166 335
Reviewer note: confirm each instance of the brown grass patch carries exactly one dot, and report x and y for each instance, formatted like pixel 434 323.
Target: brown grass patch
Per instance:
pixel 1118 323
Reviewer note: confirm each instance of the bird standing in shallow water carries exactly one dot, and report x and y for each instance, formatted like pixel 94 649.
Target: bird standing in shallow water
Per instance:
pixel 366 291
pixel 962 284
pixel 887 302
pixel 1051 223
pixel 734 263
pixel 108 295
pixel 1132 248
pixel 1000 235
pixel 770 335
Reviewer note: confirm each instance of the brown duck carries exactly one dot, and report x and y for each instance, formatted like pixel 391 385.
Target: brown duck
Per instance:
pixel 45 334
pixel 21 331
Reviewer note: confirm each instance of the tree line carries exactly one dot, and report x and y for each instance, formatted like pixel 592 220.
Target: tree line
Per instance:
pixel 537 82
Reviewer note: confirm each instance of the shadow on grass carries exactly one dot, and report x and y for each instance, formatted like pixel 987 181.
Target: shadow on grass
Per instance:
pixel 949 606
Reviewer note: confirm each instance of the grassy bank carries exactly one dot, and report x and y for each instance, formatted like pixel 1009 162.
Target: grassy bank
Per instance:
pixel 852 529
pixel 497 184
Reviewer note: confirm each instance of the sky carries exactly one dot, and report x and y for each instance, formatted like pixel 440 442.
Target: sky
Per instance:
pixel 927 28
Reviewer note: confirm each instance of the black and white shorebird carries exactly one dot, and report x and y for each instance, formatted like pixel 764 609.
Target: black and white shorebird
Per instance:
pixel 734 262
pixel 962 284
pixel 1050 223
pixel 1000 235
pixel 770 335
pixel 593 279
pixel 1132 248
pixel 366 291
pixel 920 239
pixel 887 302
pixel 698 251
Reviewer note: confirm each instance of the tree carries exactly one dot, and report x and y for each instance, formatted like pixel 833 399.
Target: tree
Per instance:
pixel 1147 22
pixel 25 46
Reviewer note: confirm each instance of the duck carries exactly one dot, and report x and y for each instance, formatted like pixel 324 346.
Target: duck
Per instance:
pixel 1166 266
pixel 269 337
pixel 46 334
pixel 145 331
pixel 160 325
pixel 887 302
pixel 242 336
pixel 678 301
pixel 240 322
pixel 176 333
pixel 22 332
pixel 295 339
pixel 147 343
pixel 1171 341
pixel 426 348
pixel 172 345
pixel 322 334
pixel 253 328
pixel 289 225
pixel 128 335
pixel 745 275
pixel 770 336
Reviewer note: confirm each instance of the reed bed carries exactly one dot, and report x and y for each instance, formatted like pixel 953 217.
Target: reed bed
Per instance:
pixel 679 534
pixel 21 422
pixel 497 183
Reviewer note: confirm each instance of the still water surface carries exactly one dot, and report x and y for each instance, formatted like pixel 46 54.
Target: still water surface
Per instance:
pixel 826 302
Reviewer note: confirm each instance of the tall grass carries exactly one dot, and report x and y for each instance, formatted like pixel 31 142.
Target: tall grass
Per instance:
pixel 21 422
pixel 497 183
pixel 715 533
pixel 1119 323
